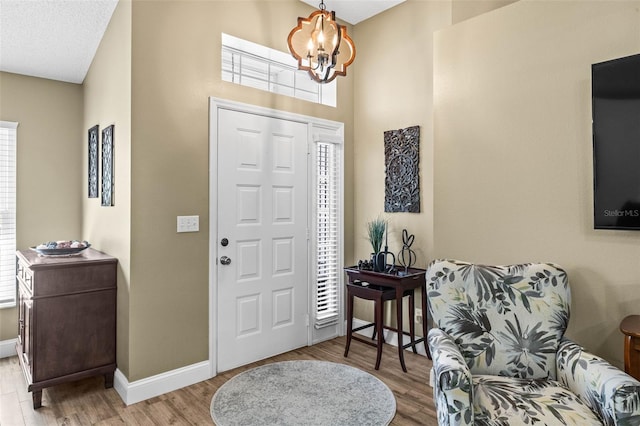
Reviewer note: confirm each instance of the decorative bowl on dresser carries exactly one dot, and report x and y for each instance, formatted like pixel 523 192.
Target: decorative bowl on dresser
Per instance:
pixel 66 318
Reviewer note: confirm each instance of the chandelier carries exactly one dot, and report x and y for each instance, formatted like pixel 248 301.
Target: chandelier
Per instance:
pixel 321 46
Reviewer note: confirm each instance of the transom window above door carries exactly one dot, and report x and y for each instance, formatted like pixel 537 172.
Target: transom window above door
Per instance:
pixel 253 65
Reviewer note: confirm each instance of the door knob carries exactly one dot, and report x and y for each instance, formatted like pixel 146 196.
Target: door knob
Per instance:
pixel 224 260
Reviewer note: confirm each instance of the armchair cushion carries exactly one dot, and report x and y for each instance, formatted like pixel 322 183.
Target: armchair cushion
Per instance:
pixel 463 399
pixel 509 401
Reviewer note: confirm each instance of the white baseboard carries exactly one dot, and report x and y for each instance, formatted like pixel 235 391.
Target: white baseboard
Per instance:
pixel 159 384
pixel 390 337
pixel 140 390
pixel 8 348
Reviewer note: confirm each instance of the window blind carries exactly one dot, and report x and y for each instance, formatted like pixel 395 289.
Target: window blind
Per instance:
pixel 327 291
pixel 8 135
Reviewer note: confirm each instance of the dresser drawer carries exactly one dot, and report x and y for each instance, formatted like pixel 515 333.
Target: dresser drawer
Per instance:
pixel 25 276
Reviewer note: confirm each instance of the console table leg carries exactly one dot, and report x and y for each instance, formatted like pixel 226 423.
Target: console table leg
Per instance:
pixel 425 319
pixel 349 321
pixel 412 321
pixel 399 294
pixel 379 319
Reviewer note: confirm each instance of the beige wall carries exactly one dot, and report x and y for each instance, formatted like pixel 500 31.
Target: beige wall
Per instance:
pixel 49 154
pixel 394 89
pixel 175 69
pixel 462 10
pixel 107 101
pixel 513 170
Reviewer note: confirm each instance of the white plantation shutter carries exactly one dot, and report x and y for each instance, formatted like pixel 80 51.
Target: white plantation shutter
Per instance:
pixel 327 284
pixel 8 135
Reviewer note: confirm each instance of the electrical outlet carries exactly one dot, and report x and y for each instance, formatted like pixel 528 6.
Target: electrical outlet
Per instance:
pixel 419 315
pixel 188 223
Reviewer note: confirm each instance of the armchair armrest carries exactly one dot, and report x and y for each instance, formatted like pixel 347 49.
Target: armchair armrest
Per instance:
pixel 608 391
pixel 453 386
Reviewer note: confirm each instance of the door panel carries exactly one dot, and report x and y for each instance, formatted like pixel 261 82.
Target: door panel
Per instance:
pixel 262 211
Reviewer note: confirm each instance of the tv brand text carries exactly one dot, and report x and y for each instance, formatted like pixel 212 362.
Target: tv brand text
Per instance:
pixel 621 213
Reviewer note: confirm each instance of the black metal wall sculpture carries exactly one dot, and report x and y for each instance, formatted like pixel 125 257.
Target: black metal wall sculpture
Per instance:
pixel 402 157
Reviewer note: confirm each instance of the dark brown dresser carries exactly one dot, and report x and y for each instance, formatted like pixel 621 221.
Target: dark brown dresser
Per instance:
pixel 66 318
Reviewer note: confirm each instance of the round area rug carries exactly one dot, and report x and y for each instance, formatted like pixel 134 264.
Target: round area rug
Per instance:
pixel 303 393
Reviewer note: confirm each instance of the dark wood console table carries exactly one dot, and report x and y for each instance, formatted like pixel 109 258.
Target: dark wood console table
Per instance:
pixel 413 279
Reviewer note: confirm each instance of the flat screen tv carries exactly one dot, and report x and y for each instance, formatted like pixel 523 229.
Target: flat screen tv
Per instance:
pixel 615 88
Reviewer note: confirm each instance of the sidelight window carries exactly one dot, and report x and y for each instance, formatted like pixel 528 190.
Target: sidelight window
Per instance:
pixel 328 271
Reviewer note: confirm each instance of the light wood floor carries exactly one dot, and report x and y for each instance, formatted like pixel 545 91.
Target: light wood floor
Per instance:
pixel 87 402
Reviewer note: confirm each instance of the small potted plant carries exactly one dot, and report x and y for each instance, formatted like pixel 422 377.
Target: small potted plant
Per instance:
pixel 375 231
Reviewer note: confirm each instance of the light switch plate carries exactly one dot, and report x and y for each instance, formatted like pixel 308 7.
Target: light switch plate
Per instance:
pixel 188 223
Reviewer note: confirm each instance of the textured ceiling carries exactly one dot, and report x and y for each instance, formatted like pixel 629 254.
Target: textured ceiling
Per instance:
pixel 354 11
pixel 54 39
pixel 57 39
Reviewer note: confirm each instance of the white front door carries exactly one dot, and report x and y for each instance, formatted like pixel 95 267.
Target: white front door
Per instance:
pixel 262 247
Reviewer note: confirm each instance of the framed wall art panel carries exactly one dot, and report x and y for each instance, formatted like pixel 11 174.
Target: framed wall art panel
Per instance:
pixel 107 166
pixel 93 161
pixel 402 180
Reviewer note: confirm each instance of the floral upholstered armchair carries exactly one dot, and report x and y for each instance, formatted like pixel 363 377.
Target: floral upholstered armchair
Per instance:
pixel 500 356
